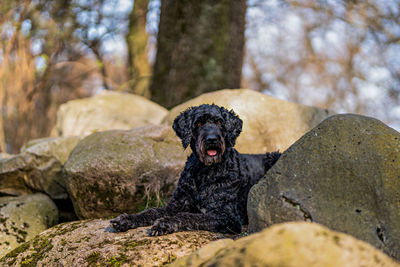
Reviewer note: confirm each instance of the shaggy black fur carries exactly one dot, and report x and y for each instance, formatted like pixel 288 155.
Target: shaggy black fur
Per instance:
pixel 214 185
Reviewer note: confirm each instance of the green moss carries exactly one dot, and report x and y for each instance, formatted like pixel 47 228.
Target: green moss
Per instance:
pixel 11 257
pixel 23 234
pixel 173 242
pixel 39 246
pixel 106 195
pixel 93 258
pixel 85 239
pixel 138 243
pixel 117 261
pixel 27 262
pixel 64 228
pixel 63 242
pixel 105 242
pixel 171 258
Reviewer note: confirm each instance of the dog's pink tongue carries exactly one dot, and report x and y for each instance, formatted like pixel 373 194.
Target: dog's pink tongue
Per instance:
pixel 212 152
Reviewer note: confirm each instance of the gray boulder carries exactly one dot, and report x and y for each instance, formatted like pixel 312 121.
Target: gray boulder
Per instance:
pixel 38 167
pixel 105 111
pixel 22 218
pixel 120 171
pixel 344 174
pixel 269 123
pixel 84 243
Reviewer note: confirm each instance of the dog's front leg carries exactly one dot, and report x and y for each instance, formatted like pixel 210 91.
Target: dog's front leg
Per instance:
pixel 184 221
pixel 181 201
pixel 125 221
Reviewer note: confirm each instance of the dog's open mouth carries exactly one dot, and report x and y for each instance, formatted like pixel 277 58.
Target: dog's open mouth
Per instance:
pixel 212 152
pixel 212 155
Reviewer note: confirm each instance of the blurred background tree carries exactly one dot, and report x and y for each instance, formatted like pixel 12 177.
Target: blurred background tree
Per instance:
pixel 50 52
pixel 139 69
pixel 200 47
pixel 342 55
pixel 40 67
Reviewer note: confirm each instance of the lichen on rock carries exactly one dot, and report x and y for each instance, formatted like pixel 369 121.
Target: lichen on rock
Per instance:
pixel 289 244
pixel 343 174
pixel 119 171
pixel 84 243
pixel 22 218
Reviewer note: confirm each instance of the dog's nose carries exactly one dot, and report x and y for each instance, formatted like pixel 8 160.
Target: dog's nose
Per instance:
pixel 212 138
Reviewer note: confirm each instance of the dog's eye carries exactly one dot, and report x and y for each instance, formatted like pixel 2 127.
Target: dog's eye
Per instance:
pixel 219 122
pixel 198 124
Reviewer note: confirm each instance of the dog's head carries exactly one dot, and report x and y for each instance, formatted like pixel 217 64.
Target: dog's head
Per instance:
pixel 209 129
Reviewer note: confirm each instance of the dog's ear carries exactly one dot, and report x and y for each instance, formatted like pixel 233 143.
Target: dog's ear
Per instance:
pixel 183 126
pixel 233 125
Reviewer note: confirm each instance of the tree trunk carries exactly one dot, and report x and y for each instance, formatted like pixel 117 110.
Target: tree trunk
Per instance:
pixel 139 70
pixel 200 48
pixel 3 147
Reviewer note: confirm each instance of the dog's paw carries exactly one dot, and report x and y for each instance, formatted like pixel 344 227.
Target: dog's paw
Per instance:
pixel 122 223
pixel 163 226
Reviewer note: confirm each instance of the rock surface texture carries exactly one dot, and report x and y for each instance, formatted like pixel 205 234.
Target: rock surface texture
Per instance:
pixel 84 243
pixel 38 168
pixel 12 174
pixel 343 174
pixel 22 218
pixel 289 245
pixel 269 124
pixel 119 171
pixel 105 111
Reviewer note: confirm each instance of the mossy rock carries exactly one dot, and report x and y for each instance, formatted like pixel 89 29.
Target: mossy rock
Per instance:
pixel 289 245
pixel 269 124
pixel 343 174
pixel 84 243
pixel 120 171
pixel 22 218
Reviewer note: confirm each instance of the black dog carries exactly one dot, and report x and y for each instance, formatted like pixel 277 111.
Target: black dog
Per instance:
pixel 213 188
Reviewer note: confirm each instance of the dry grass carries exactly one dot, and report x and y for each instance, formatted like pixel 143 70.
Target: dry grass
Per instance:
pixel 17 76
pixel 30 97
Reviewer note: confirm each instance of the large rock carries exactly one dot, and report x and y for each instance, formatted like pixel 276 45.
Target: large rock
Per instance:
pixel 38 167
pixel 343 174
pixel 269 124
pixel 85 243
pixel 289 245
pixel 22 218
pixel 12 176
pixel 5 156
pixel 105 111
pixel 118 171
